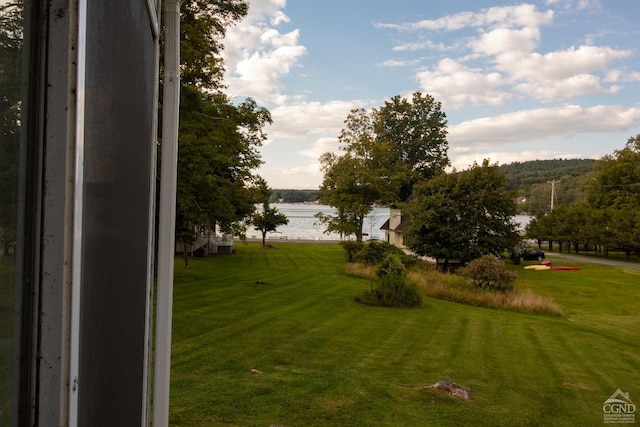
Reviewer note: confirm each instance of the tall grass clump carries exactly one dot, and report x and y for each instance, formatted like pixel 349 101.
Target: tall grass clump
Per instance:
pixel 392 288
pixel 453 287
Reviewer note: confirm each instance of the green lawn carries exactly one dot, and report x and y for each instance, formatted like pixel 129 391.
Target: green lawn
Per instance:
pixel 326 360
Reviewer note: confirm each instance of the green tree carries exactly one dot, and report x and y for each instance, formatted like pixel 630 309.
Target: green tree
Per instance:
pixel 203 25
pixel 415 134
pixel 616 181
pixel 386 151
pixel 352 188
pixel 269 218
pixel 615 188
pixel 218 139
pixel 461 216
pixel 217 154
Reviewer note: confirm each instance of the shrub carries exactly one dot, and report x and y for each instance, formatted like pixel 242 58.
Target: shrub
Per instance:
pixel 374 253
pixel 392 290
pixel 489 273
pixel 352 248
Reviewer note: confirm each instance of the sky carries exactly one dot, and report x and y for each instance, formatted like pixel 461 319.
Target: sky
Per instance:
pixel 518 81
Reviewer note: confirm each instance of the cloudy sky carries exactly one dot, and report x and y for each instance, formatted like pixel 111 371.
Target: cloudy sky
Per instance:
pixel 517 80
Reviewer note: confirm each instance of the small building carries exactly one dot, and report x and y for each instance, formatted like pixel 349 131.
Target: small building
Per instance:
pixel 394 228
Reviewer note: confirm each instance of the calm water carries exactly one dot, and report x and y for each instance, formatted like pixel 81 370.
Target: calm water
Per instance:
pixel 303 224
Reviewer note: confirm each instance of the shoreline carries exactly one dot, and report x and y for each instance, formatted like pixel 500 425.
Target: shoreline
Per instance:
pixel 268 240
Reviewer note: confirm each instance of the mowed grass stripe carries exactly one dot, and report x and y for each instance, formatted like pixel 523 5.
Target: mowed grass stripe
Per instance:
pixel 327 360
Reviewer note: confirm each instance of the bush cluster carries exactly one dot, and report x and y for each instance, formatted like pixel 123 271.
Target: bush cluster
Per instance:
pixel 392 289
pixel 352 248
pixel 489 273
pixel 374 253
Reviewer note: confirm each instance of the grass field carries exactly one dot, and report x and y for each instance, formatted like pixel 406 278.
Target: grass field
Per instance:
pixel 328 361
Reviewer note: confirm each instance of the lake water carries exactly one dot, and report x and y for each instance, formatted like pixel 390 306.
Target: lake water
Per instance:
pixel 304 226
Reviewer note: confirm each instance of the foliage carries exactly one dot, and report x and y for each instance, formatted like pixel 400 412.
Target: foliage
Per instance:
pixel 351 248
pixel 269 218
pixel 10 67
pixel 617 179
pixel 351 186
pixel 392 290
pixel 461 216
pixel 203 25
pixel 532 181
pixel 608 219
pixel 415 134
pixel 488 273
pixel 375 252
pixel 216 155
pixel 386 151
pixel 218 139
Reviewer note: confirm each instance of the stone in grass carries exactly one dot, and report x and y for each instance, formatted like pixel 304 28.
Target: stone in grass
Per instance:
pixel 453 389
pixel 449 387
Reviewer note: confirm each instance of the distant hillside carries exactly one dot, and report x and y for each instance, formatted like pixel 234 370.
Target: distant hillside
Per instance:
pixel 532 180
pixel 523 174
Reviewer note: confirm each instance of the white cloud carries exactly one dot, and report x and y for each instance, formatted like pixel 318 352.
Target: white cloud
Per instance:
pixel 523 15
pixel 507 42
pixel 575 4
pixel 397 63
pixel 542 123
pixel 505 60
pixel 257 55
pixel 460 85
pixel 300 120
pixel 565 63
pixel 427 44
pixel 462 161
pixel 321 146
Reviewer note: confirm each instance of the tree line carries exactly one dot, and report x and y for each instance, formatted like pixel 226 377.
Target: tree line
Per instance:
pixel 607 218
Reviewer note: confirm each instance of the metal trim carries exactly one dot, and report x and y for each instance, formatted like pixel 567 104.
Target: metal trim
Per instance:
pixel 76 278
pixel 153 7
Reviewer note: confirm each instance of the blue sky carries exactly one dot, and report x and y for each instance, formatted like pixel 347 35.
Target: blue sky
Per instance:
pixel 517 80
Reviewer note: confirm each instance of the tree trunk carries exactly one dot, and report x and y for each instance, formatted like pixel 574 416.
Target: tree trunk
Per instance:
pixel 359 230
pixel 264 238
pixel 185 254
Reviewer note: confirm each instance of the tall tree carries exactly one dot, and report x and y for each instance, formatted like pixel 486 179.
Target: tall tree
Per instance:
pixel 216 157
pixel 616 181
pixel 385 152
pixel 447 223
pixel 218 139
pixel 415 133
pixel 269 218
pixel 351 187
pixel 203 26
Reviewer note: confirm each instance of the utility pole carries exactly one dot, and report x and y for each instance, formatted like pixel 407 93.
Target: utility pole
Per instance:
pixel 553 192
